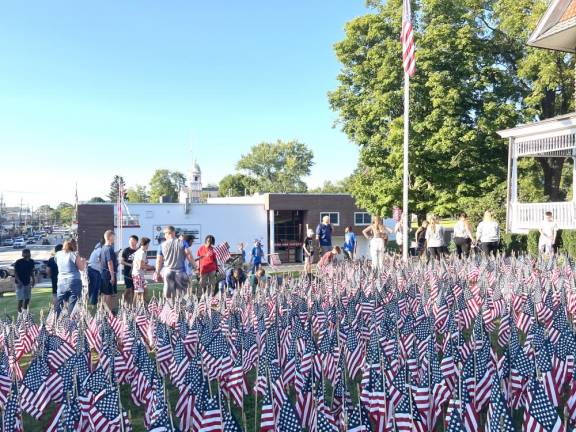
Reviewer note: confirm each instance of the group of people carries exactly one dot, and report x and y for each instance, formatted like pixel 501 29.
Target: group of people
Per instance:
pixel 431 239
pixel 175 266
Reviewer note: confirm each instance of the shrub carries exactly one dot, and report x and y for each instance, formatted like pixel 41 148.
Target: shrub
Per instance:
pixel 566 242
pixel 532 243
pixel 514 244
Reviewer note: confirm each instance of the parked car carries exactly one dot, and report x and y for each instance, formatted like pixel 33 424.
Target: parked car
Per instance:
pixel 8 242
pixel 19 244
pixel 31 240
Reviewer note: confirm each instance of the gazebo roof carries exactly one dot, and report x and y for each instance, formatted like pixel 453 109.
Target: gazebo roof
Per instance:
pixel 553 137
pixel 556 29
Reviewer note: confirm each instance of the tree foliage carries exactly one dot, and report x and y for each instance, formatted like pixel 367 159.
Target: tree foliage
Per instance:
pixel 117 184
pixel 341 186
pixel 474 76
pixel 96 199
pixel 165 183
pixel 279 166
pixel 545 83
pixel 138 194
pixel 237 185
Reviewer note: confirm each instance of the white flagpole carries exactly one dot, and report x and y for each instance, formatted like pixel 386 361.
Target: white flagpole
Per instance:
pixel 405 211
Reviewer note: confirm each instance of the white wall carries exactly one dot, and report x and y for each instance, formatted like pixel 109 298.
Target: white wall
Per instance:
pixel 227 223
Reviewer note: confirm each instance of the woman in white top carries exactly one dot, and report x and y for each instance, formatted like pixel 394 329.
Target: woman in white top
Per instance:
pixel 139 266
pixel 435 238
pixel 377 233
pixel 463 236
pixel 488 234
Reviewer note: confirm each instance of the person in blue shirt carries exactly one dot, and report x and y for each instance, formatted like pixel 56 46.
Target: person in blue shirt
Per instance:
pixel 349 243
pixel 235 278
pixel 256 256
pixel 324 234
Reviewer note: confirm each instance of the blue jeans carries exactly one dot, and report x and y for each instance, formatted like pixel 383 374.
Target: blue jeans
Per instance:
pixel 94 284
pixel 70 292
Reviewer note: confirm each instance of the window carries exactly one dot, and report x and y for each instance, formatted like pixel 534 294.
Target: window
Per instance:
pixel 334 217
pixel 128 220
pixel 362 219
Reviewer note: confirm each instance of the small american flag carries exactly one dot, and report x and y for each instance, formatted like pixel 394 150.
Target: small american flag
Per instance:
pixel 407 38
pixel 222 252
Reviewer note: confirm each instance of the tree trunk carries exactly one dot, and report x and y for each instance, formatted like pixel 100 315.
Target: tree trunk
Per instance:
pixel 552 168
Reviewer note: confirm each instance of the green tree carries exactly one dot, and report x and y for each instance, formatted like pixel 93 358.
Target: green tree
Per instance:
pixel 96 200
pixel 138 194
pixel 279 166
pixel 460 96
pixel 545 85
pixel 117 183
pixel 237 185
pixel 162 184
pixel 341 186
pixel 64 213
pixel 178 179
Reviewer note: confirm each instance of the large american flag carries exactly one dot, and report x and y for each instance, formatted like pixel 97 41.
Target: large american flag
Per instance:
pixel 407 38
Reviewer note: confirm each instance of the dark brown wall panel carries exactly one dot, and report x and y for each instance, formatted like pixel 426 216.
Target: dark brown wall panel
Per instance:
pixel 93 220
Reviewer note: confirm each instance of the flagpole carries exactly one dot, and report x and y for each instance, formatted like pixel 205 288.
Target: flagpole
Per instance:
pixel 405 211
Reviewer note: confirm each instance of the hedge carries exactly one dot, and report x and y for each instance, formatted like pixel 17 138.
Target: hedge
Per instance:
pixel 528 243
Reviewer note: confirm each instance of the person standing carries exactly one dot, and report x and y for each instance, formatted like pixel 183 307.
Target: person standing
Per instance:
pixel 207 265
pixel 421 238
pixel 548 232
pixel 109 263
pixel 349 246
pixel 435 238
pixel 488 234
pixel 52 271
pixel 139 266
pixel 399 234
pixel 95 274
pixel 308 251
pixel 324 234
pixel 171 262
pixel 70 264
pixel 256 256
pixel 127 258
pixel 377 234
pixel 25 279
pixel 463 236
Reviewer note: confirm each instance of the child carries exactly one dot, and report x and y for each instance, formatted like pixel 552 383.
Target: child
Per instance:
pixel 548 231
pixel 139 266
pixel 349 243
pixel 328 257
pixel 242 252
pixel 308 249
pixel 257 254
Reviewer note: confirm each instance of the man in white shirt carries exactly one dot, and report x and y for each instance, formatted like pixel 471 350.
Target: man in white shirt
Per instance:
pixel 548 230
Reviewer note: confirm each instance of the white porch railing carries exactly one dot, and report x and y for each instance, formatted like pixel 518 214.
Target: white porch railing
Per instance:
pixel 527 216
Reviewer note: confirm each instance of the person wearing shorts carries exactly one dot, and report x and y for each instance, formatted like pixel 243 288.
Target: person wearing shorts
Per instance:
pixel 139 266
pixel 208 265
pixel 109 262
pixel 171 264
pixel 25 280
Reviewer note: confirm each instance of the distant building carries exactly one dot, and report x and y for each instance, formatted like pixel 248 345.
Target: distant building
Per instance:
pixel 192 192
pixel 279 221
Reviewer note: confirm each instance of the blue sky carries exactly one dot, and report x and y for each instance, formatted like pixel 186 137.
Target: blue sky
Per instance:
pixel 91 89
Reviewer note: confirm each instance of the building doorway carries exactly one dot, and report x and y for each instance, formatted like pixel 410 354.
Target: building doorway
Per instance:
pixel 288 235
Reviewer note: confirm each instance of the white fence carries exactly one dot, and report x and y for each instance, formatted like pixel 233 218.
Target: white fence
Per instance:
pixel 529 216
